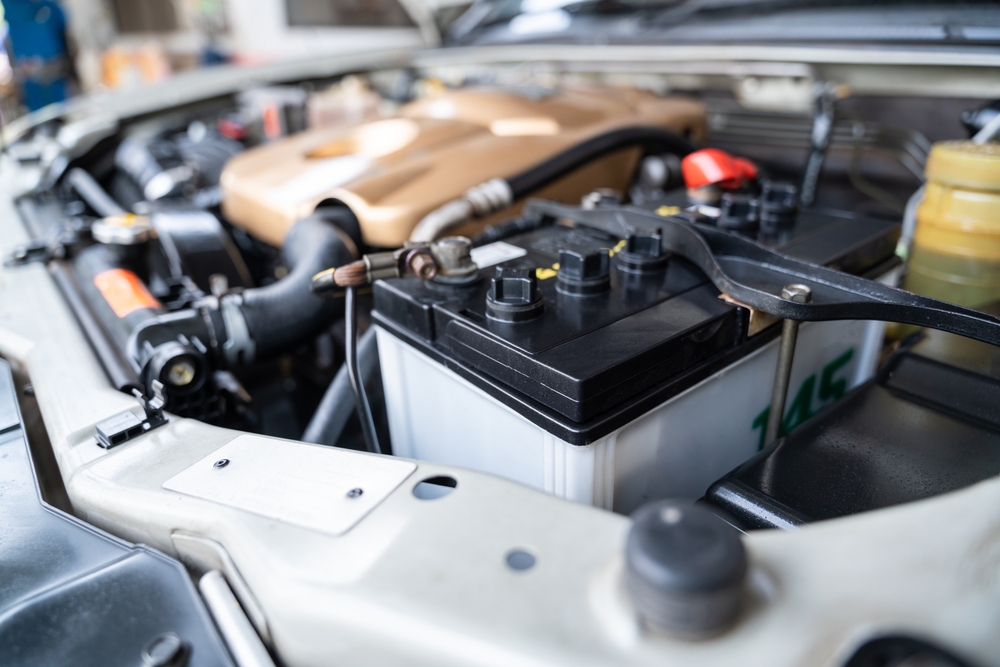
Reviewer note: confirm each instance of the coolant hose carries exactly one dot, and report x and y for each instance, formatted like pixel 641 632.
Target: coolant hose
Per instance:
pixel 498 193
pixel 93 194
pixel 286 312
pixel 256 323
pixel 337 405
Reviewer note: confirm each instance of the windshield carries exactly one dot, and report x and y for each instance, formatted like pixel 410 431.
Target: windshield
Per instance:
pixel 727 21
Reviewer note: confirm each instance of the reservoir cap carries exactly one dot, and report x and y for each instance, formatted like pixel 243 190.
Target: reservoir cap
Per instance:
pixel 964 164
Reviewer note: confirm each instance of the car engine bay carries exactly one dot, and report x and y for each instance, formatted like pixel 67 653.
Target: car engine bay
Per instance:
pixel 275 325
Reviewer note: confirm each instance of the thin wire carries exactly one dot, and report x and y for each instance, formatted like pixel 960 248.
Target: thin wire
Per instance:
pixel 357 383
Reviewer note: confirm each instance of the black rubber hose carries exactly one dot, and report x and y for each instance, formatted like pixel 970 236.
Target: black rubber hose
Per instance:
pixel 353 374
pixel 650 138
pixel 93 194
pixel 508 228
pixel 286 312
pixel 337 405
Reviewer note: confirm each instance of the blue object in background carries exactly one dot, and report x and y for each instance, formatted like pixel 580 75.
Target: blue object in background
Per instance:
pixel 37 31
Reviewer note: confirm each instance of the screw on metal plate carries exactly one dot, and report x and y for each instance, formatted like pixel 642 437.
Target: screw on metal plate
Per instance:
pixel 355 493
pixel 166 650
pixel 221 463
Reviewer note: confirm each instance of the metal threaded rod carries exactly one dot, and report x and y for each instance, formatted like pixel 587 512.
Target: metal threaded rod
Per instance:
pixel 786 354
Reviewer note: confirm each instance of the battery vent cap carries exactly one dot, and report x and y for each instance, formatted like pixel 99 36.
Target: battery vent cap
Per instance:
pixel 514 296
pixel 584 272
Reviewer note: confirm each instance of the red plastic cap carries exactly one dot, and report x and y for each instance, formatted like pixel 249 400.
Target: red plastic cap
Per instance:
pixel 230 128
pixel 710 166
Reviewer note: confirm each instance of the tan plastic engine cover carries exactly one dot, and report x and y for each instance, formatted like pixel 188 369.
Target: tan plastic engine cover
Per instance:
pixel 392 172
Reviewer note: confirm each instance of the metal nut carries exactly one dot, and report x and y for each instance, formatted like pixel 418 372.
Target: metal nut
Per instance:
pixel 797 293
pixel 421 264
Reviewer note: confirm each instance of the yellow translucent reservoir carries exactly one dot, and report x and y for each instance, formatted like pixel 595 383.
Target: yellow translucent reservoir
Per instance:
pixel 956 246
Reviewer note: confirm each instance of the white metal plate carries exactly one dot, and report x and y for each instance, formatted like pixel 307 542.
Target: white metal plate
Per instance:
pixel 293 482
pixel 494 253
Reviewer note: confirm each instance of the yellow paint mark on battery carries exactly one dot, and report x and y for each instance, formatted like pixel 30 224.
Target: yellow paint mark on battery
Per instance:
pixel 545 274
pixel 617 249
pixel 668 210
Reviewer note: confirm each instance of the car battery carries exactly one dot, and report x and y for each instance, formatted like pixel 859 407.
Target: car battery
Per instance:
pixel 595 369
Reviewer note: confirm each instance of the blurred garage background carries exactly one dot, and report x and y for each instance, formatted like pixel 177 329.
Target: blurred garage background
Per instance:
pixel 54 50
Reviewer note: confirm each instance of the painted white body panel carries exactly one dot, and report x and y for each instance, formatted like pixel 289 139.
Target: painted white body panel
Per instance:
pixel 424 582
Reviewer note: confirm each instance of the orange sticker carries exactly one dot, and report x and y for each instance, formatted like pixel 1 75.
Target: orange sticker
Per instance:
pixel 124 292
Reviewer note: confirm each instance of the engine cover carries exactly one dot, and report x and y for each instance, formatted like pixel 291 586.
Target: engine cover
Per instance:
pixel 392 172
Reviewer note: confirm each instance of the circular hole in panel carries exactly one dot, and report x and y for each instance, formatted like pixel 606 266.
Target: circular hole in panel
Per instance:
pixel 435 487
pixel 520 560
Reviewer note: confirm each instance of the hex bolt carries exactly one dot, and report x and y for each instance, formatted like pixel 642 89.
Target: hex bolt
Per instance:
pixel 355 493
pixel 221 463
pixel 786 354
pixel 421 264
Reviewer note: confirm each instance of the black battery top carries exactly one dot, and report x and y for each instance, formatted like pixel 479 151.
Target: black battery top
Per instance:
pixel 580 331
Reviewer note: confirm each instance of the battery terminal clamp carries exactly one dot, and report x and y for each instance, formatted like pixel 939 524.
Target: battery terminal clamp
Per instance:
pixel 446 261
pixel 123 427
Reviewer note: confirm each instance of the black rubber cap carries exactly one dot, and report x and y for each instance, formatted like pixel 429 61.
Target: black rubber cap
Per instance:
pixel 643 253
pixel 514 296
pixel 779 205
pixel 738 212
pixel 685 569
pixel 584 272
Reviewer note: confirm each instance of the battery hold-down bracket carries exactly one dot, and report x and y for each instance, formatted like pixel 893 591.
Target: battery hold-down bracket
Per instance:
pixel 754 275
pixel 125 426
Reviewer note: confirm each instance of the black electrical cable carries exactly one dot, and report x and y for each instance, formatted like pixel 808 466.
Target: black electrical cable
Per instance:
pixel 337 404
pixel 650 138
pixel 508 228
pixel 353 374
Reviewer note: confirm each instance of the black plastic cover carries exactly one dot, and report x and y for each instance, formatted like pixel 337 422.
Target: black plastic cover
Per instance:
pixel 71 594
pixel 920 429
pixel 585 353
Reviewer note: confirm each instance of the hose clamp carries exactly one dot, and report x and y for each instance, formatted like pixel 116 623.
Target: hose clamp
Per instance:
pixel 239 348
